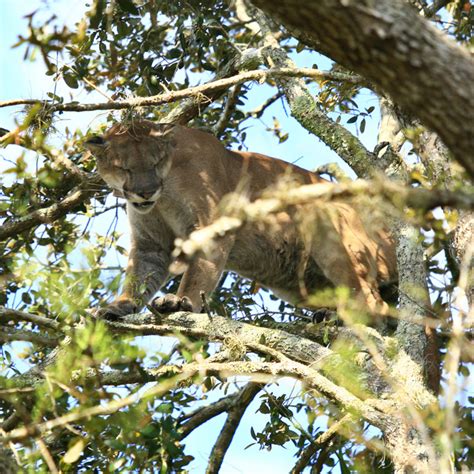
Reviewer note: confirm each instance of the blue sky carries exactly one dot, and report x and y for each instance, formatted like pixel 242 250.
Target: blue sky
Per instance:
pixel 25 79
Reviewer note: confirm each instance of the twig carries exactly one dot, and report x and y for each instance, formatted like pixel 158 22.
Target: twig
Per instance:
pixel 103 94
pixel 13 450
pixel 232 98
pixel 7 314
pixel 205 304
pixel 202 415
pixel 47 456
pixel 318 443
pixel 7 392
pixel 432 9
pixel 258 111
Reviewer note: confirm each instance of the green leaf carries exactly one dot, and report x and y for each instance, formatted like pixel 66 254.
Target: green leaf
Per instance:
pixel 353 119
pixel 115 444
pixel 464 370
pixel 165 408
pixel 8 357
pixel 97 15
pixel 344 468
pixel 150 431
pixel 75 451
pixel 70 80
pixel 174 53
pixel 362 126
pixel 26 298
pixel 128 6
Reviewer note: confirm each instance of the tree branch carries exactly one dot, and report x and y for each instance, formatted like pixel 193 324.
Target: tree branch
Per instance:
pixel 46 215
pixel 221 329
pixel 13 334
pixel 319 443
pixel 242 211
pixel 106 409
pixel 202 415
pixel 197 91
pixel 236 412
pixel 232 98
pixel 253 369
pixel 7 314
pixel 432 9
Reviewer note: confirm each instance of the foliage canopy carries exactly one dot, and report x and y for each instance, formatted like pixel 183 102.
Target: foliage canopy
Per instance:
pixel 79 394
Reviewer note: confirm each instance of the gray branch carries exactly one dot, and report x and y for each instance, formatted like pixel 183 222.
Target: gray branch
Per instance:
pixel 12 334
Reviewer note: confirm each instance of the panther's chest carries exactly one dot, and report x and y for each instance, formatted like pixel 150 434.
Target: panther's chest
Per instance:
pixel 180 216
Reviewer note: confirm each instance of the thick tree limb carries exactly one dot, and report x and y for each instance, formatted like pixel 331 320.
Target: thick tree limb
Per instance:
pixel 408 366
pixel 387 42
pixel 12 334
pixel 276 344
pixel 221 329
pixel 311 378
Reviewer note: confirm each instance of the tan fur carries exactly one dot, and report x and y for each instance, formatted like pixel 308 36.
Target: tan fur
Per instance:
pixel 186 173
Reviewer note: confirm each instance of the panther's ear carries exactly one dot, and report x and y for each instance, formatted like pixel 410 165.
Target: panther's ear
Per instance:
pixel 96 144
pixel 166 134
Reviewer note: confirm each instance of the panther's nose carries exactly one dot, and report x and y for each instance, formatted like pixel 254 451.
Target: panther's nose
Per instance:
pixel 146 195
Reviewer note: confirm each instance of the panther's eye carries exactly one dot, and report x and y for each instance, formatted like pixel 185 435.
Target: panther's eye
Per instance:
pixel 96 143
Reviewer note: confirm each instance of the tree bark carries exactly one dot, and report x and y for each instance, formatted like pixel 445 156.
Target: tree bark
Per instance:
pixel 400 52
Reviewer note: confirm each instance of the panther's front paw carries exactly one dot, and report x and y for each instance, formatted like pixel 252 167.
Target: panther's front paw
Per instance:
pixel 323 314
pixel 171 304
pixel 115 311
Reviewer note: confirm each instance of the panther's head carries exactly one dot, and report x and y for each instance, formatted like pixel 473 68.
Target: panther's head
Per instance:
pixel 134 160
